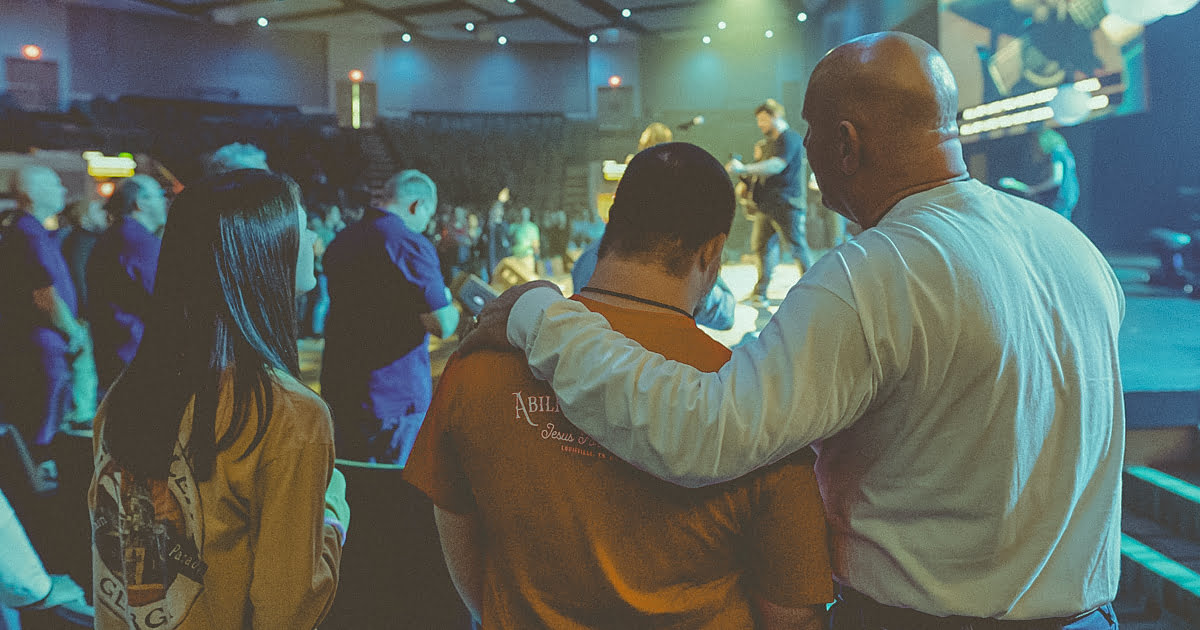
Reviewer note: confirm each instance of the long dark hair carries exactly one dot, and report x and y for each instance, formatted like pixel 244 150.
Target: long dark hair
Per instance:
pixel 224 305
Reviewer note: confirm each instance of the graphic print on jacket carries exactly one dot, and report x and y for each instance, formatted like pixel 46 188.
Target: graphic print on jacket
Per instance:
pixel 146 534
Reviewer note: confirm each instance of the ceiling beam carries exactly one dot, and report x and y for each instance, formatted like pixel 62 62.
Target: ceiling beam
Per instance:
pixel 533 10
pixel 170 6
pixel 316 13
pixel 614 16
pixel 395 16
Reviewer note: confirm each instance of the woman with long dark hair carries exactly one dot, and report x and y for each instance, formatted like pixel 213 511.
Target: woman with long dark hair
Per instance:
pixel 215 503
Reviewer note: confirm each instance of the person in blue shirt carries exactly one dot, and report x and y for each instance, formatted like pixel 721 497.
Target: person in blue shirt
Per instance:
pixel 121 274
pixel 1059 191
pixel 779 195
pixel 387 296
pixel 39 331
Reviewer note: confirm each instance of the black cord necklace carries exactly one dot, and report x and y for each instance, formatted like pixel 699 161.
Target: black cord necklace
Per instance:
pixel 637 299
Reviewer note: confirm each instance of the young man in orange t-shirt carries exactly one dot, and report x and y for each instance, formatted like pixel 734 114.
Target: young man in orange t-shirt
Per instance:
pixel 543 528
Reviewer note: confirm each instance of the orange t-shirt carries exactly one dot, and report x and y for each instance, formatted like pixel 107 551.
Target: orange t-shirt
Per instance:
pixel 576 538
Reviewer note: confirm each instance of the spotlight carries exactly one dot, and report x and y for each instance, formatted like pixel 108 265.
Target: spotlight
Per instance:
pixel 30 51
pixel 106 189
pixel 502 40
pixel 614 80
pixel 593 38
pixel 470 26
pixel 769 34
pixel 406 38
pixel 801 17
pixel 512 1
pixel 262 21
pixel 356 75
pixel 626 13
pixel 706 39
pixel 721 25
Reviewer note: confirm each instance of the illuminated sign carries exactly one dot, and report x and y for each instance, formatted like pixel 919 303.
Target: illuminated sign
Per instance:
pixel 613 170
pixel 100 165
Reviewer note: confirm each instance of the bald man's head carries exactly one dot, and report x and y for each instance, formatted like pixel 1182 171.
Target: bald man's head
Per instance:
pixel 882 114
pixel 39 191
pixel 891 79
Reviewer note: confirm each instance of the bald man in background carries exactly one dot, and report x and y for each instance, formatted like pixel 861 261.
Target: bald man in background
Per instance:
pixel 956 364
pixel 38 326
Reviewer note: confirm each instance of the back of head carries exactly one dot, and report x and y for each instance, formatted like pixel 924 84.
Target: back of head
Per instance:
pixel 125 197
pixel 408 186
pixel 224 303
pixel 673 198
pixel 891 83
pixel 236 156
pixel 32 185
pixel 655 133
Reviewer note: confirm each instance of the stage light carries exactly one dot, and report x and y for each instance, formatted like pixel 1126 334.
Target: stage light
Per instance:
pixel 801 17
pixel 502 40
pixel 721 25
pixel 470 26
pixel 626 13
pixel 593 38
pixel 30 51
pixel 614 80
pixel 262 21
pixel 106 189
pixel 769 34
pixel 706 39
pixel 406 38
pixel 356 75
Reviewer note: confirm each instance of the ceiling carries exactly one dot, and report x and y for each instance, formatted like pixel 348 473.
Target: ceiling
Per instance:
pixel 520 21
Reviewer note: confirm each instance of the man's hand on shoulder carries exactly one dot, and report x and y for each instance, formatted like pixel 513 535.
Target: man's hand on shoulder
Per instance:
pixel 491 329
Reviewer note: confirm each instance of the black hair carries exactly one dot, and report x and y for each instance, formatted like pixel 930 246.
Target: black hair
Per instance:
pixel 124 198
pixel 224 307
pixel 673 198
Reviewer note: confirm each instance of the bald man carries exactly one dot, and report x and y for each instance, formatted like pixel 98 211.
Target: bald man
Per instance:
pixel 121 274
pixel 955 364
pixel 38 325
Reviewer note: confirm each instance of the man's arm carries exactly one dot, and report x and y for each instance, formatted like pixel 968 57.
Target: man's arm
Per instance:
pixel 441 322
pixel 51 305
pixel 461 545
pixel 808 375
pixel 766 168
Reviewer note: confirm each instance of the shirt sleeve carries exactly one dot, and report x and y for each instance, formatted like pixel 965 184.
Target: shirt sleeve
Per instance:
pixel 434 466
pixel 808 375
pixel 296 555
pixel 787 538
pixel 38 250
pixel 23 579
pixel 418 261
pixel 790 147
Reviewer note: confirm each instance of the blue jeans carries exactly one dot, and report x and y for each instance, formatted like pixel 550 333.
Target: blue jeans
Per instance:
pixel 772 229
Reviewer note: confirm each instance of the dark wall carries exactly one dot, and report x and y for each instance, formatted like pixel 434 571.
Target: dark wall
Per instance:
pixel 1131 167
pixel 468 76
pixel 115 53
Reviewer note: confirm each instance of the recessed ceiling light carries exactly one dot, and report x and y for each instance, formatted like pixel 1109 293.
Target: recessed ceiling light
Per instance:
pixel 262 21
pixel 706 39
pixel 502 40
pixel 626 13
pixel 470 26
pixel 801 17
pixel 769 34
pixel 721 25
pixel 406 38
pixel 593 38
